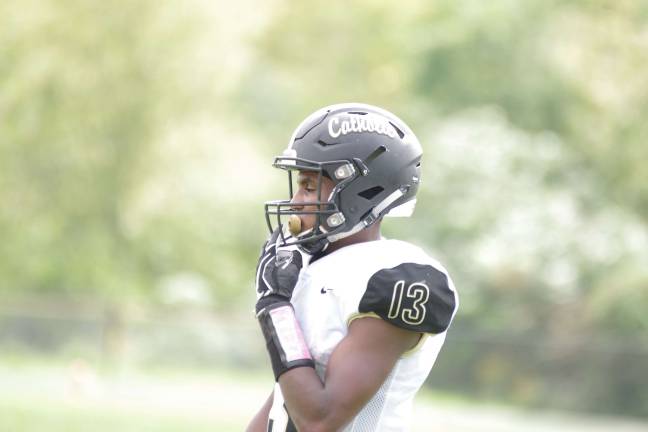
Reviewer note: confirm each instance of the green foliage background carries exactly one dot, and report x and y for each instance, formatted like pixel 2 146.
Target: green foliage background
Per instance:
pixel 135 141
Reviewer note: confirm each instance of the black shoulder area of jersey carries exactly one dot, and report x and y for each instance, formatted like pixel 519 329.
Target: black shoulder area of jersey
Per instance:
pixel 411 296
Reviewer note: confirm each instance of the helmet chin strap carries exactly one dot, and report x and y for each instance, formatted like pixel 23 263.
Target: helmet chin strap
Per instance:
pixel 369 220
pixel 321 245
pixel 312 247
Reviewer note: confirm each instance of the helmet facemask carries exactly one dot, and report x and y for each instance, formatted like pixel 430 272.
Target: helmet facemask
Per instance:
pixel 329 219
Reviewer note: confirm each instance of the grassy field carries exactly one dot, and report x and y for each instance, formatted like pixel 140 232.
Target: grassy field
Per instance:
pixel 74 396
pixel 53 396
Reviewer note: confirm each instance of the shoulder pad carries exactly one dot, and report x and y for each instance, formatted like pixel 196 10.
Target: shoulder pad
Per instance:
pixel 411 296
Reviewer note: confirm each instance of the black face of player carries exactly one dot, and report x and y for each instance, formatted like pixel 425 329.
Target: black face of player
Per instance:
pixel 305 190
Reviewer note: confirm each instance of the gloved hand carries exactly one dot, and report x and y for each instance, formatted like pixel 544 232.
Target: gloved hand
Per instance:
pixel 277 274
pixel 278 270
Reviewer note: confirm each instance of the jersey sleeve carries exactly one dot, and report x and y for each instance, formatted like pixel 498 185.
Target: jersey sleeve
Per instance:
pixel 412 296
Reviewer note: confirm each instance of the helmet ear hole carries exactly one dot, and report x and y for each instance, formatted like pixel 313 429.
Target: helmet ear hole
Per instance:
pixel 370 193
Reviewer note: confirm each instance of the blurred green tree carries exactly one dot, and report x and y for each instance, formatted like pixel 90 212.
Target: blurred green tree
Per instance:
pixel 83 89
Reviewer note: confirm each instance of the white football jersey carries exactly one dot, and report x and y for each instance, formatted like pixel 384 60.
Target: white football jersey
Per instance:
pixel 390 279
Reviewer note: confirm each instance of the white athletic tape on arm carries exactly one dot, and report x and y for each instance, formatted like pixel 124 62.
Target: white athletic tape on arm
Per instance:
pixel 289 334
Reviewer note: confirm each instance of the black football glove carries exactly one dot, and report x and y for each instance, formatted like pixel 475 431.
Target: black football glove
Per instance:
pixel 277 274
pixel 278 270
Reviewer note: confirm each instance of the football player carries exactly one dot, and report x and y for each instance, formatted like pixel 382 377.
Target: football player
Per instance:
pixel 353 322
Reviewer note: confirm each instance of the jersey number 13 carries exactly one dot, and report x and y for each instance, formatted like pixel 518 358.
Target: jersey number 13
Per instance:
pixel 419 293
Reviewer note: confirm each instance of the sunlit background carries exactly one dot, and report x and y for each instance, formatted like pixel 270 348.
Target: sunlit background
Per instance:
pixel 135 146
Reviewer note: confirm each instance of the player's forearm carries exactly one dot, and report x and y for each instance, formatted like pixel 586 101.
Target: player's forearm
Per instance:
pixel 310 404
pixel 304 394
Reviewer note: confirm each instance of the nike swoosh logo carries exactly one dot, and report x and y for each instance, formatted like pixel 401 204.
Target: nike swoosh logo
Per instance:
pixel 325 290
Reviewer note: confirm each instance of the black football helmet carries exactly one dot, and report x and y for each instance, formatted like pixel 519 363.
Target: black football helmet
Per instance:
pixel 371 155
